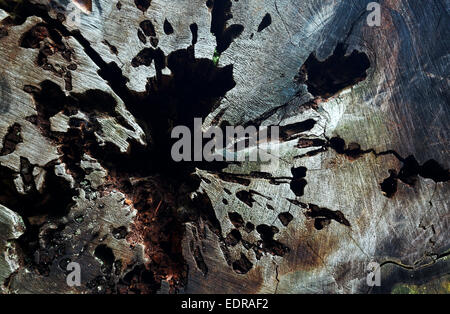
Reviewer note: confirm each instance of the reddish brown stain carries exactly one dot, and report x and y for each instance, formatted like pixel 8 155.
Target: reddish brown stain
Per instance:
pixel 310 248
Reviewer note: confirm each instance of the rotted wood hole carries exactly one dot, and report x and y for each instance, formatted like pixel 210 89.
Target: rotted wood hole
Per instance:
pixel 88 103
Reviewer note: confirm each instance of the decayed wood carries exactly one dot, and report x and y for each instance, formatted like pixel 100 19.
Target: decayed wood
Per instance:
pixel 344 193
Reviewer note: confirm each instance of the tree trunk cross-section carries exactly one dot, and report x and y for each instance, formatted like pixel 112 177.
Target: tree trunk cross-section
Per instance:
pixel 86 173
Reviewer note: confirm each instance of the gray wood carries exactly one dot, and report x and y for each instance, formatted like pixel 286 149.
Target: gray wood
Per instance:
pixel 400 109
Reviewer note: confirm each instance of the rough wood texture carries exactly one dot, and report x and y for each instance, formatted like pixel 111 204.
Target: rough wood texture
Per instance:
pixel 86 174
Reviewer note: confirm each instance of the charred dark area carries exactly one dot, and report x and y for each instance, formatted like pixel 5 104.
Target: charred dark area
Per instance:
pixel 236 219
pixel 141 36
pixel 106 255
pixel 298 181
pixel 221 14
pixel 352 150
pixel 249 227
pixel 145 57
pixel 49 204
pixel 337 72
pixel 266 21
pixel 246 197
pixel 112 48
pixel 36 203
pixel 291 131
pixel 142 5
pixel 11 139
pixel 139 280
pixel 323 216
pixel 268 244
pixel 233 237
pixel 389 185
pixel 49 42
pixel 409 173
pixel 242 265
pixel 194 30
pixel 285 218
pixel 168 29
pixel 148 28
pixel 3 32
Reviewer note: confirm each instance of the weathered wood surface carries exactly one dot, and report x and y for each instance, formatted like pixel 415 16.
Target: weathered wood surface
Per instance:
pixel 84 159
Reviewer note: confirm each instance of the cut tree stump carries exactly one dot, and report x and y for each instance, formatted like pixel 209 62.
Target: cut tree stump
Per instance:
pixel 87 107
